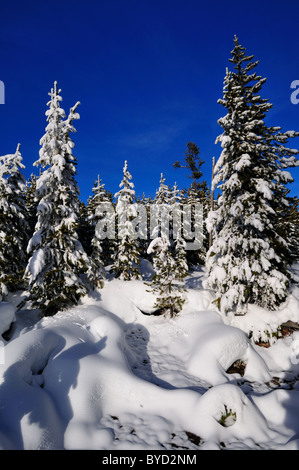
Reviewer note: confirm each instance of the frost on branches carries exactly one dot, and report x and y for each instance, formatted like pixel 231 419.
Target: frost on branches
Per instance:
pixel 126 259
pixel 57 257
pixel 14 228
pixel 247 262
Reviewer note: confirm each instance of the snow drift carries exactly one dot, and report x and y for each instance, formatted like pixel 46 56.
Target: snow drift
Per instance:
pixel 104 375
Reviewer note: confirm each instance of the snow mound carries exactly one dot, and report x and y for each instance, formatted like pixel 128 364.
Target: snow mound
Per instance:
pixel 105 376
pixel 7 316
pixel 215 347
pixel 226 414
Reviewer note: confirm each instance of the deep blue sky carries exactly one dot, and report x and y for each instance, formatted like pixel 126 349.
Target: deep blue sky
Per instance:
pixel 148 74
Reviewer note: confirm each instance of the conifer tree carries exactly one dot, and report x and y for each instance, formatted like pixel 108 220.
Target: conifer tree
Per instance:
pixel 127 256
pixel 98 208
pixel 31 202
pixel 177 242
pixel 162 194
pixel 196 194
pixel 246 262
pixel 146 204
pixel 166 281
pixel 181 271
pixel 196 201
pixel 193 163
pixel 161 211
pixel 100 195
pixel 57 256
pixel 84 230
pixel 175 195
pixel 14 228
pixel 288 215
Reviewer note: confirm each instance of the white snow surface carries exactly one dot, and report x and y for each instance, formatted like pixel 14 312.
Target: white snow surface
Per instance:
pixel 108 375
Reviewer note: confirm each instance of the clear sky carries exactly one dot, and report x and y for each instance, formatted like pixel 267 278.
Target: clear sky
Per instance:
pixel 148 74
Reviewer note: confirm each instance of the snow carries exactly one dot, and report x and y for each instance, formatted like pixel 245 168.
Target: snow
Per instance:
pixel 37 262
pixel 7 316
pixel 108 375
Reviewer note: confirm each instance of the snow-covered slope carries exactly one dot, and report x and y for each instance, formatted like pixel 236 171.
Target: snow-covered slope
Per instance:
pixel 108 375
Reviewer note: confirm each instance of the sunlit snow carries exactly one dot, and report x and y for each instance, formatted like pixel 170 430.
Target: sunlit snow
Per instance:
pixel 108 374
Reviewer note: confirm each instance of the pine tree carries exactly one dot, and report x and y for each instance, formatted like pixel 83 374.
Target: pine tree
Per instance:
pixel 31 202
pixel 14 228
pixel 182 268
pixel 127 256
pixel 175 195
pixel 193 163
pixel 145 203
pixel 100 195
pixel 288 215
pixel 98 208
pixel 246 262
pixel 196 194
pixel 84 230
pixel 166 281
pixel 162 194
pixel 177 242
pixel 161 211
pixel 57 257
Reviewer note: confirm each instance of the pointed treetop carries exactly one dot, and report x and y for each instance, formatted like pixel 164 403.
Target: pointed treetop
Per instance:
pixel 18 148
pixel 55 89
pixel 55 95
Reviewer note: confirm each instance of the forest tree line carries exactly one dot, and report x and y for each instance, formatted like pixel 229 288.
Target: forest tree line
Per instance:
pixel 50 245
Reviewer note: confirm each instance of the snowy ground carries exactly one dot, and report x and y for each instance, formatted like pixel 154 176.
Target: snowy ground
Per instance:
pixel 107 375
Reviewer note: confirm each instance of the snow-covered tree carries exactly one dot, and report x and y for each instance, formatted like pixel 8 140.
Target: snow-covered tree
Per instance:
pixel 289 225
pixel 160 211
pixel 166 281
pixel 127 256
pixel 145 204
pixel 246 262
pixel 31 202
pixel 14 228
pixel 84 230
pixel 196 203
pixel 57 257
pixel 177 242
pixel 162 194
pixel 180 259
pixel 197 193
pixel 100 210
pixel 175 195
pixel 99 195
